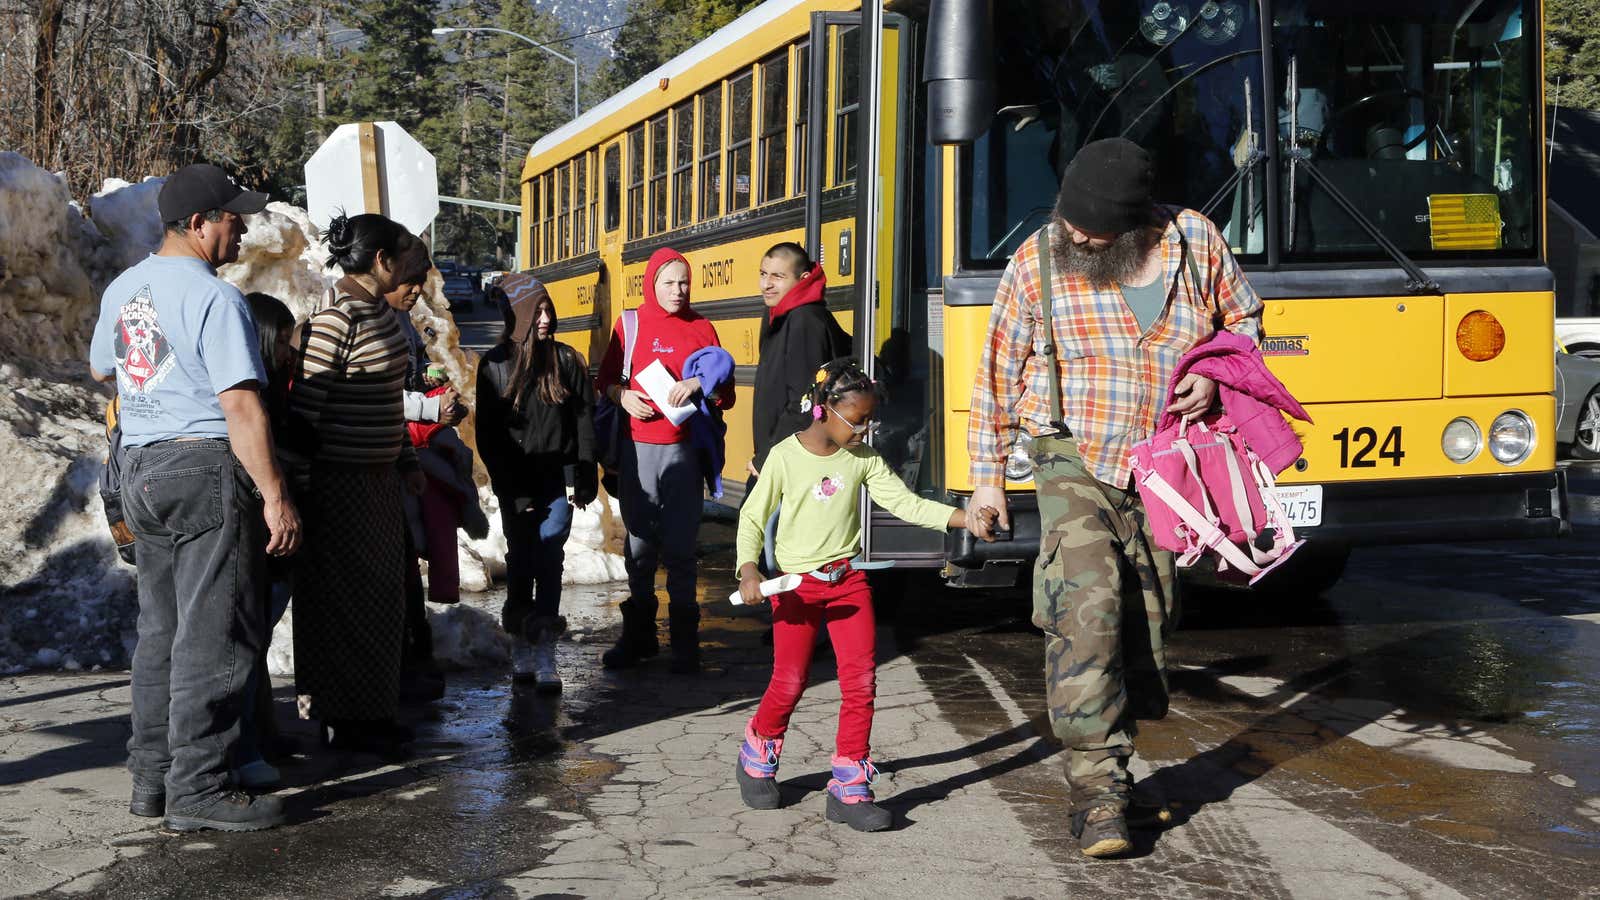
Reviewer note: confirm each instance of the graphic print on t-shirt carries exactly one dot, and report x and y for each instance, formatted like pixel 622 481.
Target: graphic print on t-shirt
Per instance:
pixel 828 487
pixel 143 353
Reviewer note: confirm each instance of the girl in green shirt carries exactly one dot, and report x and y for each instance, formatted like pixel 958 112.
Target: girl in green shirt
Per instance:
pixel 817 475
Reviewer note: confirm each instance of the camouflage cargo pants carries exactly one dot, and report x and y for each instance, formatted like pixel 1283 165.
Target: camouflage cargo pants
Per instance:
pixel 1106 600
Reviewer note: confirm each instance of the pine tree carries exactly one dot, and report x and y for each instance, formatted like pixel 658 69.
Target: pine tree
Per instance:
pixel 1572 53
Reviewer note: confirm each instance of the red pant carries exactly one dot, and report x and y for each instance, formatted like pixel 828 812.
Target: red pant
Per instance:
pixel 796 616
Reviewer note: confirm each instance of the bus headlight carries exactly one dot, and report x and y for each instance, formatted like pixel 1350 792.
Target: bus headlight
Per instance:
pixel 1462 440
pixel 1511 437
pixel 1019 465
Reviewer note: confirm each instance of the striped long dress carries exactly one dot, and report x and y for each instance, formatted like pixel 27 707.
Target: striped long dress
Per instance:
pixel 349 600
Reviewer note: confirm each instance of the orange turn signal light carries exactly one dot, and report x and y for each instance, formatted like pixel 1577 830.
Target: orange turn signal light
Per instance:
pixel 1480 337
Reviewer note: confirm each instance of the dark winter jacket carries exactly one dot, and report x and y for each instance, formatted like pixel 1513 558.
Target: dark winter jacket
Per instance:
pixel 515 446
pixel 798 336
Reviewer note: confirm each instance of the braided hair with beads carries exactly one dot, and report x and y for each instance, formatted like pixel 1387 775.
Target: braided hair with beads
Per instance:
pixel 836 380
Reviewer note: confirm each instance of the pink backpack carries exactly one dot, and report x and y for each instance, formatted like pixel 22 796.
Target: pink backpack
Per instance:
pixel 1204 489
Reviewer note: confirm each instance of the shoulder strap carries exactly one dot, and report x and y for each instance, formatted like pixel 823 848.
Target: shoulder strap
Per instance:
pixel 1046 301
pixel 1194 269
pixel 630 334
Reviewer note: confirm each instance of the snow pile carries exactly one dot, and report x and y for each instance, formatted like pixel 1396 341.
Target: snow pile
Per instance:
pixel 51 267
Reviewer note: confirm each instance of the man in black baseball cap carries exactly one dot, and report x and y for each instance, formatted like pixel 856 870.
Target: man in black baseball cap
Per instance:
pixel 201 188
pixel 181 344
pixel 203 210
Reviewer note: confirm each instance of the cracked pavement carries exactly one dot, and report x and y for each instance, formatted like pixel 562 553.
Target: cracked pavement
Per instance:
pixel 1404 736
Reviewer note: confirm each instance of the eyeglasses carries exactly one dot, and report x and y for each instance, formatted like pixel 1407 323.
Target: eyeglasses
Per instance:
pixel 871 425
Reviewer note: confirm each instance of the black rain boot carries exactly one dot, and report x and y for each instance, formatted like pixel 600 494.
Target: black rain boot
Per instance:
pixel 638 641
pixel 685 629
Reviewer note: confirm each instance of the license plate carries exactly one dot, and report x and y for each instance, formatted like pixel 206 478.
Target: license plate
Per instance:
pixel 1302 502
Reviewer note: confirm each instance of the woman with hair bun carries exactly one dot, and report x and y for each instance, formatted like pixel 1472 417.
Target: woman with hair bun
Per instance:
pixel 349 605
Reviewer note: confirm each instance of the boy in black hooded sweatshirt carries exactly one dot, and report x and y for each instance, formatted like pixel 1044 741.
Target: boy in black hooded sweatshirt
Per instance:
pixel 798 336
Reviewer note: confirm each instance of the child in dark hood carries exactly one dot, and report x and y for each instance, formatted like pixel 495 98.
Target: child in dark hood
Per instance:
pixel 662 480
pixel 535 418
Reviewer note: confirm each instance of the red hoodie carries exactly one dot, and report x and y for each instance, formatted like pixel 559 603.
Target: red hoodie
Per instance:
pixel 670 338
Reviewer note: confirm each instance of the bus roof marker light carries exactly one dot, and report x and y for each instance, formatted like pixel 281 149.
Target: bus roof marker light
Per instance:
pixel 1480 337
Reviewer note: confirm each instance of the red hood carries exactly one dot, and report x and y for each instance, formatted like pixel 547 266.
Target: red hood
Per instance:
pixel 650 308
pixel 808 290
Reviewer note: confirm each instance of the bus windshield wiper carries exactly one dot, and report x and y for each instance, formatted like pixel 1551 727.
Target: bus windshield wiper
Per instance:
pixel 1417 281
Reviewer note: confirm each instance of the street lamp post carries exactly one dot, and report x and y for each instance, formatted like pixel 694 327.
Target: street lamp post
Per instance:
pixel 444 30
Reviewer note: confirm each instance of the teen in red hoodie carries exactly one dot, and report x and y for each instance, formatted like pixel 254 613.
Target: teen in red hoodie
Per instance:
pixel 662 486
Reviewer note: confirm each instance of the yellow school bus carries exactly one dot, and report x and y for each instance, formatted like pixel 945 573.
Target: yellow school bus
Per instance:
pixel 1376 167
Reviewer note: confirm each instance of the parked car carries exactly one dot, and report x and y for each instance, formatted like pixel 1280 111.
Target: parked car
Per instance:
pixel 1580 336
pixel 1577 404
pixel 461 291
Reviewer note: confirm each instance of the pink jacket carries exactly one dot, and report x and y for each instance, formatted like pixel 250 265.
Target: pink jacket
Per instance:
pixel 1251 396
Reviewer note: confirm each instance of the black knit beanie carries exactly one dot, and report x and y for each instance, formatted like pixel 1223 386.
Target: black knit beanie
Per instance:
pixel 1107 187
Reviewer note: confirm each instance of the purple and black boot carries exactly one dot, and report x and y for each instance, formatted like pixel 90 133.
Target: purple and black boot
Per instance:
pixel 850 795
pixel 758 769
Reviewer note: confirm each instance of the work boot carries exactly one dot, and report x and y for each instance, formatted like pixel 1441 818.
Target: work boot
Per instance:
pixel 850 795
pixel 542 632
pixel 1101 831
pixel 638 641
pixel 149 802
pixel 685 630
pixel 758 769
pixel 230 811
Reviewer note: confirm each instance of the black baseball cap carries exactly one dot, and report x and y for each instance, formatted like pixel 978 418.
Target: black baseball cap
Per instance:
pixel 201 188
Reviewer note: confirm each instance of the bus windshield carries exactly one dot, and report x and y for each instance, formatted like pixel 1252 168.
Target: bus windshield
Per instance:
pixel 1419 112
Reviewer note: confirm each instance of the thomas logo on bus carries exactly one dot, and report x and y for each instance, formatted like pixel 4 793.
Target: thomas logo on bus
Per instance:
pixel 1287 345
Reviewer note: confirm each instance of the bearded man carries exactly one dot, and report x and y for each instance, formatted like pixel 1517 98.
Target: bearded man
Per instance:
pixel 1132 286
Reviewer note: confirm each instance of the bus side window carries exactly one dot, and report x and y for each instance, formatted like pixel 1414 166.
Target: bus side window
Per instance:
pixel 683 164
pixel 658 174
pixel 613 187
pixel 581 204
pixel 564 211
pixel 774 126
pixel 594 200
pixel 533 225
pixel 549 218
pixel 711 153
pixel 847 105
pixel 636 183
pixel 802 106
pixel 739 110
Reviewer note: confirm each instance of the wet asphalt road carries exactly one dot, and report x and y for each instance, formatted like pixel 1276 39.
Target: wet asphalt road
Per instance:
pixel 1439 705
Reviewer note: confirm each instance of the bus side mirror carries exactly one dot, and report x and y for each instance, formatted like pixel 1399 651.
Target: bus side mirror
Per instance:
pixel 959 70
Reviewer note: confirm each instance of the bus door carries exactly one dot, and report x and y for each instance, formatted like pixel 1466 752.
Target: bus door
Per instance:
pixel 891 337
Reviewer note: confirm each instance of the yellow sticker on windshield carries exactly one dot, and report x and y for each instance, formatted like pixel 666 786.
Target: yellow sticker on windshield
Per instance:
pixel 1464 221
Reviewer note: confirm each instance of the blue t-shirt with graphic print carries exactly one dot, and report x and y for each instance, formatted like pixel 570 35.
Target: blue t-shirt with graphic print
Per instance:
pixel 177 336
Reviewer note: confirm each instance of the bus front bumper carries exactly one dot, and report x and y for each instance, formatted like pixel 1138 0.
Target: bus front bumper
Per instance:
pixel 1414 511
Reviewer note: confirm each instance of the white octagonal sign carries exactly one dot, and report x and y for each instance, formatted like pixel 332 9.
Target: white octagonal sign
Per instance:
pixel 407 179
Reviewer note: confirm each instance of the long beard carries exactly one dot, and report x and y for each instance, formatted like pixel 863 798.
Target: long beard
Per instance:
pixel 1115 264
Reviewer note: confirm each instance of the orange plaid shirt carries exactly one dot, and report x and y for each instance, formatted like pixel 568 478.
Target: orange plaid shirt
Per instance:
pixel 1113 377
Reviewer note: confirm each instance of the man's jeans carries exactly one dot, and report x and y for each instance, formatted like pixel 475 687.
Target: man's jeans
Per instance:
pixel 200 536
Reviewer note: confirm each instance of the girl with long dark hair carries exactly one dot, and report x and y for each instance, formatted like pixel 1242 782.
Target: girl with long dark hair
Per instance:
pixel 535 418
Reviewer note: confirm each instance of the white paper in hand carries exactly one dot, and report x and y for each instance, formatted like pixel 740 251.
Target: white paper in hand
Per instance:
pixel 657 383
pixel 770 587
